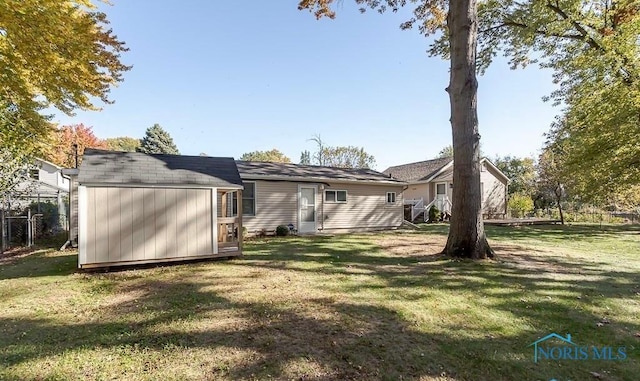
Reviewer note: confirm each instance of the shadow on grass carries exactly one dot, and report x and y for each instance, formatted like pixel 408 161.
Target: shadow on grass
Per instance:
pixel 349 340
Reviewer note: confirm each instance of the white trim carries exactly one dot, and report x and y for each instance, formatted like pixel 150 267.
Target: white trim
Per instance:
pixel 297 179
pixel 395 198
pixel 346 196
pixel 255 197
pixel 484 160
pixel 315 208
pixel 163 185
pixel 214 219
pixel 82 225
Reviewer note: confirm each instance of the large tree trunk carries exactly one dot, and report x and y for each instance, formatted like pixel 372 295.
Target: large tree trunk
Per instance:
pixel 466 232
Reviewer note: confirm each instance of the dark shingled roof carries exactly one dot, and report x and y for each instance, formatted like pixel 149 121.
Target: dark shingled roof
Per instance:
pixel 419 171
pixel 111 167
pixel 259 169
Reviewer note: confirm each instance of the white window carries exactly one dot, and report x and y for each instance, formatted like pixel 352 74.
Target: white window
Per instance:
pixel 248 200
pixel 391 197
pixel 337 196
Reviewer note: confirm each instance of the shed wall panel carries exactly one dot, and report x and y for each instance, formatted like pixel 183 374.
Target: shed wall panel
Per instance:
pixel 129 224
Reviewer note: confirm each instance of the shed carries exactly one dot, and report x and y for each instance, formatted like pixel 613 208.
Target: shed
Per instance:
pixel 135 208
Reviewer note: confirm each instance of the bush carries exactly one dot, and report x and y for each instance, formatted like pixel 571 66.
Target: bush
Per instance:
pixel 434 214
pixel 520 204
pixel 282 231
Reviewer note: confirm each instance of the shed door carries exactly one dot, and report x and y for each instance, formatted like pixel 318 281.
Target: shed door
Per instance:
pixel 138 224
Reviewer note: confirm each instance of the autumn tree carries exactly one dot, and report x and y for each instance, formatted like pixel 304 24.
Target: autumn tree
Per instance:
pixel 62 150
pixel 16 158
pixel 273 156
pixel 339 156
pixel 122 143
pixel 579 40
pixel 348 157
pixel 157 140
pixel 54 53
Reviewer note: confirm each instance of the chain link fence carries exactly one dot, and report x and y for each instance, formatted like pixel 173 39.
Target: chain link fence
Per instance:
pixel 19 229
pixel 582 216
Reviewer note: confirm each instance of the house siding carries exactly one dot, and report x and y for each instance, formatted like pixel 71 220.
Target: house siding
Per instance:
pixel 494 197
pixel 276 204
pixel 366 208
pixel 417 191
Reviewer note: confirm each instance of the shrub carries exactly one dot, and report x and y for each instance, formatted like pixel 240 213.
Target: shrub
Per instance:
pixel 282 231
pixel 520 204
pixel 434 214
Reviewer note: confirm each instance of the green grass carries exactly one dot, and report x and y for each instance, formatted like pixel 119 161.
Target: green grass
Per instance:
pixel 374 306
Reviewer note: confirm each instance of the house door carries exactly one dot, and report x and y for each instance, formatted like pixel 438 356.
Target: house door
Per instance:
pixel 441 196
pixel 307 209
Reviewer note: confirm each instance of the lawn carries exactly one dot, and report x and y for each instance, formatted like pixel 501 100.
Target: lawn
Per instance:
pixel 370 306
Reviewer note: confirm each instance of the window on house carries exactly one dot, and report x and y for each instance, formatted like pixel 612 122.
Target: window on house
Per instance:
pixel 391 197
pixel 34 174
pixel 248 200
pixel 335 196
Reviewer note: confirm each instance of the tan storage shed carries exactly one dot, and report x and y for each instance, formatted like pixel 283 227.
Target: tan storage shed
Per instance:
pixel 136 208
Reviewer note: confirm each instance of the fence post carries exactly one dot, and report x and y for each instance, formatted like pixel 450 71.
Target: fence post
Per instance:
pixel 29 227
pixel 2 235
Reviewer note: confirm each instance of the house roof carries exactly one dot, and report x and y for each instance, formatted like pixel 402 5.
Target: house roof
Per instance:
pixel 419 171
pixel 296 172
pixel 112 167
pixel 425 171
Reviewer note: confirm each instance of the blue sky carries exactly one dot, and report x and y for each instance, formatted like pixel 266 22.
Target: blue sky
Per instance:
pixel 227 78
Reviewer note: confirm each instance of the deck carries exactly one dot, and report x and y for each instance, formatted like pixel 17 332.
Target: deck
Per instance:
pixel 522 221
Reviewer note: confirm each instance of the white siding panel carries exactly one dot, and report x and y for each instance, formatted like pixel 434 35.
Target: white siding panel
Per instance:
pixel 366 208
pixel 493 199
pixel 276 204
pixel 417 191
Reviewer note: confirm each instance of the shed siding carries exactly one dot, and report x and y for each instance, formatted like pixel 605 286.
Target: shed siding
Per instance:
pixel 276 204
pixel 129 224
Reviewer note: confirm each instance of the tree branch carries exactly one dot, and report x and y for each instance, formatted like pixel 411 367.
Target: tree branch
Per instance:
pixel 538 31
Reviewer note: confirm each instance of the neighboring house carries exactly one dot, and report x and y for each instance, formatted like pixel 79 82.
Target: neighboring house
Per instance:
pixel 136 208
pixel 47 185
pixel 317 199
pixel 430 182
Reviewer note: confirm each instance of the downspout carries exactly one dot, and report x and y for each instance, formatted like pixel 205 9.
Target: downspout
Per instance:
pixel 321 207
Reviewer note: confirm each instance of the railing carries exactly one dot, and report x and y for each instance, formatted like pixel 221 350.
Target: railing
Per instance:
pixel 447 205
pixel 416 209
pixel 228 233
pixel 426 210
